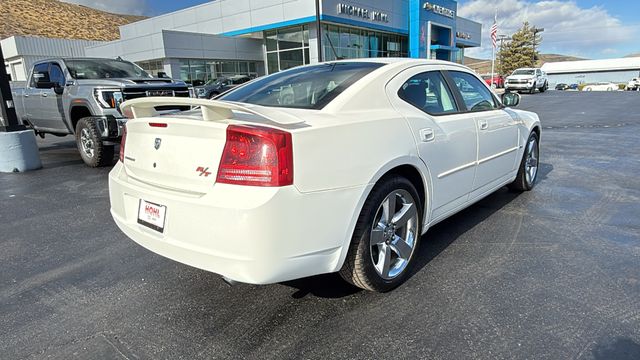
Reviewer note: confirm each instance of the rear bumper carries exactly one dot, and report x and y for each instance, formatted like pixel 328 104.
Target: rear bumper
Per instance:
pixel 247 234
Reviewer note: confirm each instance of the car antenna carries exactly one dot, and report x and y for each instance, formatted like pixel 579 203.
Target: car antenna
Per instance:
pixel 335 54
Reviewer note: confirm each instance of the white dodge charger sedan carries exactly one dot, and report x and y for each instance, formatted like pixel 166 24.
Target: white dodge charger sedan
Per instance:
pixel 333 167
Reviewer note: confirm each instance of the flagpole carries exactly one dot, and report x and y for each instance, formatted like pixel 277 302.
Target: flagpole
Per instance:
pixel 493 53
pixel 493 66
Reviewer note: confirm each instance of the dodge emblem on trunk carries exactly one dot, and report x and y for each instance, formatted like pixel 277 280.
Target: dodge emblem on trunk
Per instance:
pixel 157 144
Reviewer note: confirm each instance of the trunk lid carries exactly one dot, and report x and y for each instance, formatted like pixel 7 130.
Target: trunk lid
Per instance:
pixel 182 155
pixel 182 151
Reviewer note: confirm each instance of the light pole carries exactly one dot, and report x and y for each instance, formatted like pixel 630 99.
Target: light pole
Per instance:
pixel 536 31
pixel 501 38
pixel 319 33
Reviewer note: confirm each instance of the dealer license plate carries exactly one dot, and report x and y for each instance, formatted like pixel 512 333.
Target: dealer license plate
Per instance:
pixel 152 215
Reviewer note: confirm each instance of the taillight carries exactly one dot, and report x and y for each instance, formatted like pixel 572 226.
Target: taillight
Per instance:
pixel 256 156
pixel 158 125
pixel 123 140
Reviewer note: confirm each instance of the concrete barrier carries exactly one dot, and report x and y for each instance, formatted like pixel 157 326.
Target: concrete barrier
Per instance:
pixel 19 151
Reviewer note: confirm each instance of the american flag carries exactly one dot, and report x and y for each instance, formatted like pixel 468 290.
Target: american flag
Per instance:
pixel 494 32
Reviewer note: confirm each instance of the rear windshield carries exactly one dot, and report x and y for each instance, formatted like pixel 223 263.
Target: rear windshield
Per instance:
pixel 309 87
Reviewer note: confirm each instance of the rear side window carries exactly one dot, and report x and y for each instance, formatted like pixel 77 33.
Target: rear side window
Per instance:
pixel 309 87
pixel 428 92
pixel 474 93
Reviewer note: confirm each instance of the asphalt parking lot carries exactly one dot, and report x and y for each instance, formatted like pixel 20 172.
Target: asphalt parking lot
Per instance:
pixel 550 274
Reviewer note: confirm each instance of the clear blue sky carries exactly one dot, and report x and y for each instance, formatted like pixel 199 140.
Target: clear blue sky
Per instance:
pixel 165 6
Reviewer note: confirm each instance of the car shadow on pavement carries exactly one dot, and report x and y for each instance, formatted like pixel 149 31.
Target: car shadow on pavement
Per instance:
pixel 435 241
pixel 63 153
pixel 57 146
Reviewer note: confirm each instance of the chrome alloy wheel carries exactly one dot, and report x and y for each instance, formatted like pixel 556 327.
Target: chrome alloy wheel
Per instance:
pixel 393 236
pixel 86 142
pixel 531 162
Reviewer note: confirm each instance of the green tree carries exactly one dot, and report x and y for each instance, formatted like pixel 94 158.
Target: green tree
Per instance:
pixel 519 52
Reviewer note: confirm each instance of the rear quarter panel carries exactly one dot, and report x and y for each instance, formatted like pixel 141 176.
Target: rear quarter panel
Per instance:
pixel 349 149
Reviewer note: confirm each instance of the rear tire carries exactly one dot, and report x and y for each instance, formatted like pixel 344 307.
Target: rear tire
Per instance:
pixel 544 88
pixel 529 165
pixel 92 149
pixel 386 236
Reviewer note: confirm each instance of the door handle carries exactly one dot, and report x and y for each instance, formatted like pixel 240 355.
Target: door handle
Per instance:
pixel 26 95
pixel 44 94
pixel 483 124
pixel 427 135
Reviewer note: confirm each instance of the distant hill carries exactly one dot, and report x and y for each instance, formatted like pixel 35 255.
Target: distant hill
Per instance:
pixel 55 19
pixel 633 55
pixel 483 66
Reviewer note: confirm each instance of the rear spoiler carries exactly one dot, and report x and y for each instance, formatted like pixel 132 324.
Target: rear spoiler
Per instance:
pixel 212 110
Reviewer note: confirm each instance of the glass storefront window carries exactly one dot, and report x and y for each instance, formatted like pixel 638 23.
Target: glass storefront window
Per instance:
pixel 349 42
pixel 289 38
pixel 291 58
pixel 305 36
pixel 287 47
pixel 198 72
pixel 153 67
pixel 272 63
pixel 271 39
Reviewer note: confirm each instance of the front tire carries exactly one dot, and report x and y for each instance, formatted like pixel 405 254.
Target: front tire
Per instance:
pixel 533 89
pixel 528 170
pixel 92 149
pixel 386 237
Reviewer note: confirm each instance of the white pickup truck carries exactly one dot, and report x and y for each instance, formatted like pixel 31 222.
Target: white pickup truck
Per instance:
pixel 527 79
pixel 634 85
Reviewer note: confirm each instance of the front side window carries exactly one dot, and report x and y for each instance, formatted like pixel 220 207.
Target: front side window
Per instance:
pixel 428 92
pixel 310 87
pixel 56 74
pixel 474 93
pixel 40 74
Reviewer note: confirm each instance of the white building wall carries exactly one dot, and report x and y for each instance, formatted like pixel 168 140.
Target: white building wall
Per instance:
pixel 20 52
pixel 224 16
pixel 617 77
pixel 173 45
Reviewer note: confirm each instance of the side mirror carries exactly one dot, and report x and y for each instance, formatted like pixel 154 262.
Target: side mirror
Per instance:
pixel 58 89
pixel 510 99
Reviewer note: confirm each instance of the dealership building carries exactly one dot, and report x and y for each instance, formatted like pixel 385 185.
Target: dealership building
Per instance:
pixel 227 37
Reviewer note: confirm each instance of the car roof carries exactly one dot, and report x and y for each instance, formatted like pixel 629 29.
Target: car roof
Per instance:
pixel 77 58
pixel 400 62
